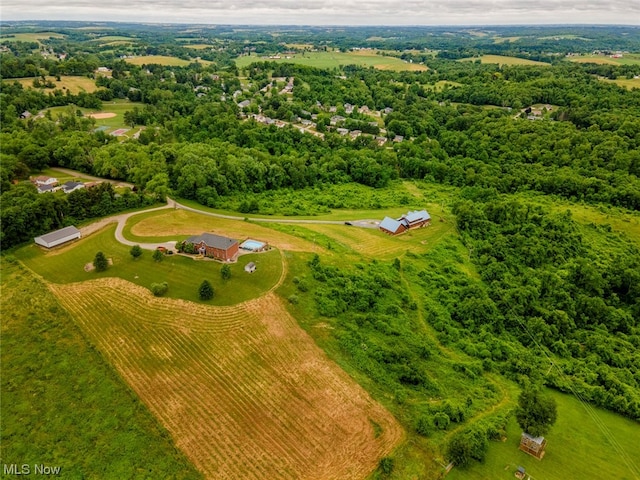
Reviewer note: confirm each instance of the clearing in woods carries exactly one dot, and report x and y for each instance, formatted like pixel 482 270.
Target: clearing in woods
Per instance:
pixel 365 58
pixel 243 390
pixel 502 60
pixel 163 60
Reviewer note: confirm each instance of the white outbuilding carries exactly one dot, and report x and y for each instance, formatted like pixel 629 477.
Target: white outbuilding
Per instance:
pixel 58 237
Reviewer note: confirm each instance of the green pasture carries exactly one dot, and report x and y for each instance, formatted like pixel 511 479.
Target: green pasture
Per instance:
pixel 114 38
pixel 627 59
pixel 365 58
pixel 163 60
pixel 502 60
pixel 182 273
pixel 63 404
pixel 585 443
pixel 628 83
pixel 75 84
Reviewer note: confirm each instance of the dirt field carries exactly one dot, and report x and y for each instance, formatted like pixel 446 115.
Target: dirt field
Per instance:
pixel 101 115
pixel 243 390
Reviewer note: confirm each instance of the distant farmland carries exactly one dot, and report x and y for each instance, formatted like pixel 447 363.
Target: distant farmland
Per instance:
pixel 162 60
pixel 243 390
pixel 75 84
pixel 501 60
pixel 365 58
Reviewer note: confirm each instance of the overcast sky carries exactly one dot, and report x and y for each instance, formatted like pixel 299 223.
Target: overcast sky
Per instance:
pixel 330 12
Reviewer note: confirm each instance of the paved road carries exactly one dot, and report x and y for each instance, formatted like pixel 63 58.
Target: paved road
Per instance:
pixel 121 221
pixel 357 223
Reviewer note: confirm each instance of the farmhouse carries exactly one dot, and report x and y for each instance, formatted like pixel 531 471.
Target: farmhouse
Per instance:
pixel 58 237
pixel 44 180
pixel 250 267
pixel 215 246
pixel 417 219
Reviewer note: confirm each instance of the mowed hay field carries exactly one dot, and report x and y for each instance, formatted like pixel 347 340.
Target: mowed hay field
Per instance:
pixel 365 58
pixel 243 390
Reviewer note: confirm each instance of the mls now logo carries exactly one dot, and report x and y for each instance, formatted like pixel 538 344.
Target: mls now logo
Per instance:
pixel 15 469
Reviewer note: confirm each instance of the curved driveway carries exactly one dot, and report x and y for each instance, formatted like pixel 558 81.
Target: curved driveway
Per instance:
pixel 121 221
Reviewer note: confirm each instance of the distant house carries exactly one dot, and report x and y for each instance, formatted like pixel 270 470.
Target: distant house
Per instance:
pixel 333 109
pixel 364 109
pixel 337 119
pixel 71 186
pixel 250 267
pixel 348 108
pixel 45 188
pixel 355 134
pixel 215 246
pixel 44 180
pixel 58 237
pixel 387 110
pixel 244 104
pixel 392 226
pixel 25 114
pixel 398 138
pixel 342 131
pixel 381 140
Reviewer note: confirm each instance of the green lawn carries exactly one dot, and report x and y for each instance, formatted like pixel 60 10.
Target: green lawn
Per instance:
pixel 594 444
pixel 183 274
pixel 365 58
pixel 75 84
pixel 62 404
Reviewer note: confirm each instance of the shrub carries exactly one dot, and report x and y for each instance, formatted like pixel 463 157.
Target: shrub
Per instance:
pixel 225 272
pixel 441 420
pixel 159 289
pixel 424 426
pixel 293 299
pixel 135 251
pixel 158 256
pixel 386 465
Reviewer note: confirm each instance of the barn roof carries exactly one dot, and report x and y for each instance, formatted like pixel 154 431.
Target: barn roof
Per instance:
pixel 417 216
pixel 212 240
pixel 390 224
pixel 59 234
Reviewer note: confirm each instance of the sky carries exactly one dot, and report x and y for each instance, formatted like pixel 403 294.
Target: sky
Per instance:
pixel 330 12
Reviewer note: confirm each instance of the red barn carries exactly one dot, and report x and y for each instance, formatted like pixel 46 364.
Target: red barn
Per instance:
pixel 215 246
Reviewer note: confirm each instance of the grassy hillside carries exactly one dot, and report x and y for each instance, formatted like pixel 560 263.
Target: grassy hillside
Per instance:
pixel 243 390
pixel 586 442
pixel 62 404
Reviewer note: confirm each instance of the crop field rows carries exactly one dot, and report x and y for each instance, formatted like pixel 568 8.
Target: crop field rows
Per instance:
pixel 244 391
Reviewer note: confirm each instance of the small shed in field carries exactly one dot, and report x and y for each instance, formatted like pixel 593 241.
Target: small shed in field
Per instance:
pixel 534 446
pixel 58 237
pixel 250 267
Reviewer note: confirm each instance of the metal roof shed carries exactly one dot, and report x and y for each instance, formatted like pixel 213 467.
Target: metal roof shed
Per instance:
pixel 58 237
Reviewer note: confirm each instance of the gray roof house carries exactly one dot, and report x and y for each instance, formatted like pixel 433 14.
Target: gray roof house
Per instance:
pixel 58 237
pixel 71 186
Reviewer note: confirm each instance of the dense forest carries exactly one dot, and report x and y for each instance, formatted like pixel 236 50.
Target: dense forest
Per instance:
pixel 549 291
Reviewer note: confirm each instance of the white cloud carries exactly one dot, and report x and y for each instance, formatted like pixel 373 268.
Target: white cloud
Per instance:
pixel 330 12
